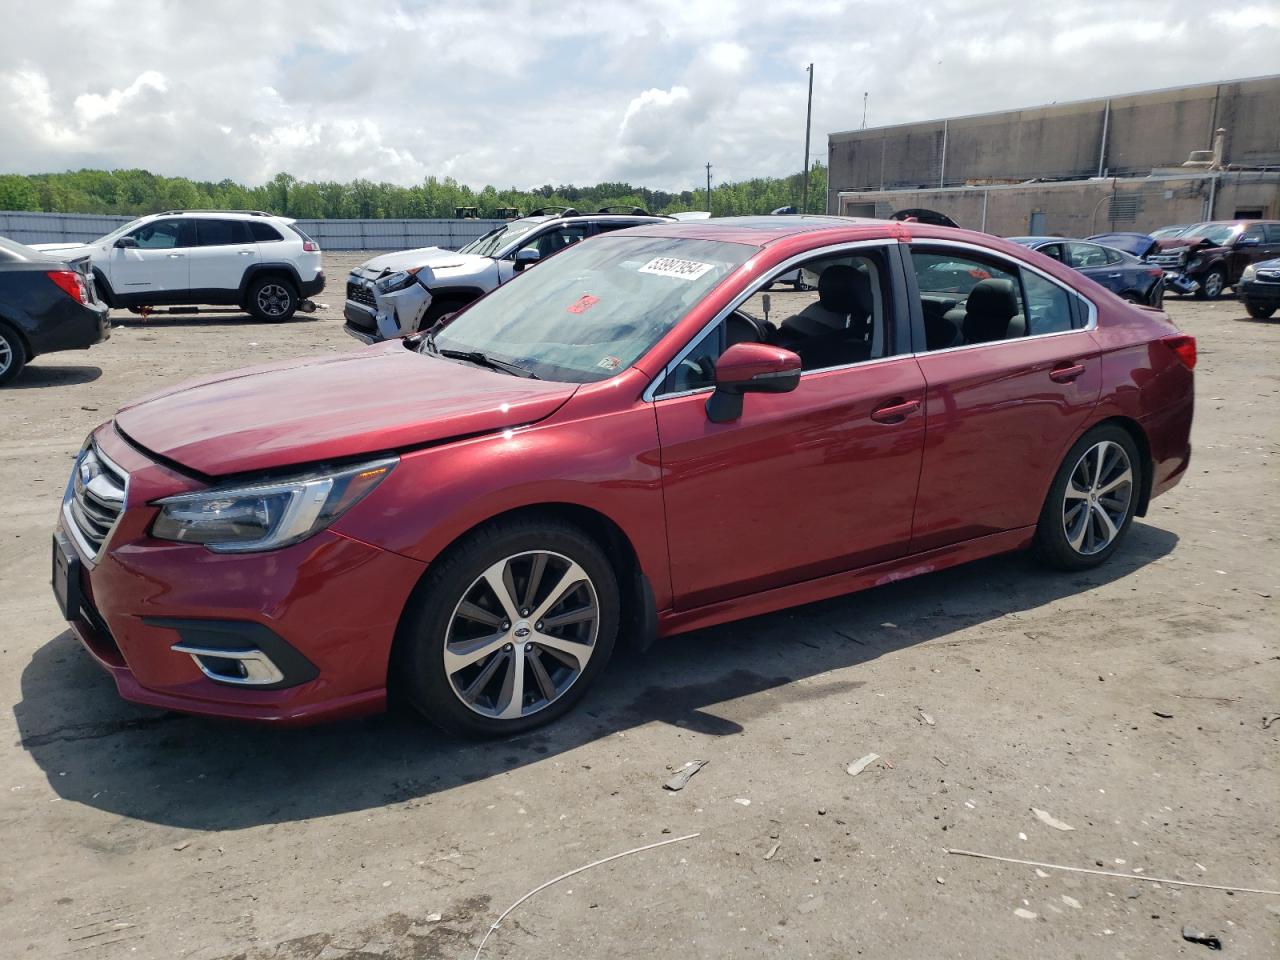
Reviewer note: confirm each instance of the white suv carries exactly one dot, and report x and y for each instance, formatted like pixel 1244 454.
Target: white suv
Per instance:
pixel 245 258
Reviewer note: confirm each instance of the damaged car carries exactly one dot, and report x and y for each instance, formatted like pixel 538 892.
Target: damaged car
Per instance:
pixel 1212 256
pixel 401 293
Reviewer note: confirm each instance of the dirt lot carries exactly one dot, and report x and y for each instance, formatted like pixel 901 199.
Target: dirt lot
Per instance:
pixel 1129 703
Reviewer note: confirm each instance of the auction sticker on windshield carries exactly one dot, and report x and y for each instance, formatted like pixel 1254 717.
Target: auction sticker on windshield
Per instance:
pixel 674 267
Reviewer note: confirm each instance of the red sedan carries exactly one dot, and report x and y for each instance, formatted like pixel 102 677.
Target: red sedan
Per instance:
pixel 634 439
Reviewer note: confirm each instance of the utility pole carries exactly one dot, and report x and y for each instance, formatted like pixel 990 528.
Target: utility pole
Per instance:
pixel 864 109
pixel 808 120
pixel 708 188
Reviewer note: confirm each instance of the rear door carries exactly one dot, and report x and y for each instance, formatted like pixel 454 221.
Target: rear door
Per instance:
pixel 1002 405
pixel 224 250
pixel 1092 260
pixel 158 264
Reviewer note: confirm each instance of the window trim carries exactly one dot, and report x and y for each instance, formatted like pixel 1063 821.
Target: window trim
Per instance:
pixel 651 394
pixel 917 315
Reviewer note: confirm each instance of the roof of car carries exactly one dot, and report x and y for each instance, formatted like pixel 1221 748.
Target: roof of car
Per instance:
pixel 761 231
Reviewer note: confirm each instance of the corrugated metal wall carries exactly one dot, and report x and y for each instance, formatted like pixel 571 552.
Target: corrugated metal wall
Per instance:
pixel 330 234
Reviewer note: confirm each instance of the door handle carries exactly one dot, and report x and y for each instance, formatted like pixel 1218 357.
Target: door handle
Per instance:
pixel 176 256
pixel 1113 275
pixel 1066 372
pixel 895 410
pixel 246 253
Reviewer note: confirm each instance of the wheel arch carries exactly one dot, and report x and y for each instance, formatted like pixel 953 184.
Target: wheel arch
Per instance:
pixel 1139 437
pixel 256 271
pixel 638 616
pixel 103 287
pixel 23 340
pixel 467 294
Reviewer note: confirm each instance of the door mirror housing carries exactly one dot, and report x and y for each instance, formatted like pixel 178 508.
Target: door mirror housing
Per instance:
pixel 526 258
pixel 1250 241
pixel 126 243
pixel 750 368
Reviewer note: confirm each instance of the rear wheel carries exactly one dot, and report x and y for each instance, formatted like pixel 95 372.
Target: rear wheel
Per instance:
pixel 509 629
pixel 1260 311
pixel 1214 282
pixel 1092 501
pixel 13 355
pixel 273 299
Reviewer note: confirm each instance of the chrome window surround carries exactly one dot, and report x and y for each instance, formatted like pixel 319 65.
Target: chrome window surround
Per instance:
pixel 1091 323
pixel 87 549
pixel 786 266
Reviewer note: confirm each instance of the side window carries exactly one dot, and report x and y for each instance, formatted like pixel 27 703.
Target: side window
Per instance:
pixel 159 235
pixel 1272 232
pixel 1113 256
pixel 966 300
pixel 834 310
pixel 556 240
pixel 221 233
pixel 1086 255
pixel 1053 250
pixel 263 232
pixel 1048 305
pixel 1254 232
pixel 608 226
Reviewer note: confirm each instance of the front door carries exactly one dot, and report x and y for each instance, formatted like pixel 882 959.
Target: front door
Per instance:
pixel 1004 401
pixel 807 483
pixel 158 262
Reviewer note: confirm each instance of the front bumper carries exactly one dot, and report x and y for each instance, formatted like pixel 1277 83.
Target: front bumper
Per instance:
pixel 1179 282
pixel 1260 292
pixel 324 612
pixel 373 315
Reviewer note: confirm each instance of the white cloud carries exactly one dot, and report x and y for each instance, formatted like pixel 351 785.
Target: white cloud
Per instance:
pixel 523 92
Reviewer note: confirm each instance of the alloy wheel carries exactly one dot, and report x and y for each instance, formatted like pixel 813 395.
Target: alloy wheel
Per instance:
pixel 1213 285
pixel 6 354
pixel 1097 498
pixel 521 635
pixel 274 300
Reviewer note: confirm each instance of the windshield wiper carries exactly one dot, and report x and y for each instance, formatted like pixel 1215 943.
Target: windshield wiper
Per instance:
pixel 484 360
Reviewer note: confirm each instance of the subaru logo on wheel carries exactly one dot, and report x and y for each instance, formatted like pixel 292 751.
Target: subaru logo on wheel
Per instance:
pixel 522 632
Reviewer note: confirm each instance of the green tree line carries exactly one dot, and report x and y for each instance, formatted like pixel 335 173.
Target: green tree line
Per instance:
pixel 137 192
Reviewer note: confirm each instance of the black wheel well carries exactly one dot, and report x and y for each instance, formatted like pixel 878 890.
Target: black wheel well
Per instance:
pixel 1139 437
pixel 21 337
pixel 103 287
pixel 638 615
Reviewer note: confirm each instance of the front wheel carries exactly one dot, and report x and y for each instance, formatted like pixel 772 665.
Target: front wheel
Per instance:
pixel 272 299
pixel 1215 281
pixel 1092 501
pixel 1260 311
pixel 509 629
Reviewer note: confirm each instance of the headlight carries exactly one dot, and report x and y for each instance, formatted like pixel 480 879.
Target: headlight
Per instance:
pixel 396 281
pixel 265 516
pixel 1249 272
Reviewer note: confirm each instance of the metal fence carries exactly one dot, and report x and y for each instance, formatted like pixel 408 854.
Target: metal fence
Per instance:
pixel 330 234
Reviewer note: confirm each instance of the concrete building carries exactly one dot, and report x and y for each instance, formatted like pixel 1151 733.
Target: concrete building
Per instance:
pixel 1075 168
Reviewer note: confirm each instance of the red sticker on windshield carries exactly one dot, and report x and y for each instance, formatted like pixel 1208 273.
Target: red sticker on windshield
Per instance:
pixel 584 303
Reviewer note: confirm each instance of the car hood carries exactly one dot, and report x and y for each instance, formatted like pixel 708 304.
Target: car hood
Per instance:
pixel 435 257
pixel 63 249
pixel 326 408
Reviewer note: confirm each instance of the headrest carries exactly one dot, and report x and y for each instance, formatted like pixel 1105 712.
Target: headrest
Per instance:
pixel 845 289
pixel 990 307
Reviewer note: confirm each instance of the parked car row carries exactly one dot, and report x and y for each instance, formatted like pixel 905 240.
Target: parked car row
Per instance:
pixel 631 440
pixel 1122 273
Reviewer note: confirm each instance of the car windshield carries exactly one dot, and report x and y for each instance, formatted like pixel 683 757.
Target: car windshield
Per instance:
pixel 1216 233
pixel 495 240
pixel 594 309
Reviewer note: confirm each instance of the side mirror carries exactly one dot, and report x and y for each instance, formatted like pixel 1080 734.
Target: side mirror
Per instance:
pixel 750 368
pixel 1248 241
pixel 526 258
pixel 126 243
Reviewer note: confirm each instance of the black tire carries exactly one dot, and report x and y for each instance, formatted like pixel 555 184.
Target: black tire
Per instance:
pixel 418 664
pixel 1052 544
pixel 13 354
pixel 1213 285
pixel 272 299
pixel 1260 311
pixel 1156 297
pixel 440 308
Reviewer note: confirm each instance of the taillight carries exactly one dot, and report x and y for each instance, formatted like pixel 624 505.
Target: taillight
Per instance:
pixel 72 283
pixel 1183 347
pixel 310 246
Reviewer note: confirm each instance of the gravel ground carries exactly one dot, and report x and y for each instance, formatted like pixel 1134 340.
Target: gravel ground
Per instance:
pixel 1128 702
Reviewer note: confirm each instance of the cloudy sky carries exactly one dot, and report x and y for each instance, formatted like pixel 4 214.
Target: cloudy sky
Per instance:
pixel 522 93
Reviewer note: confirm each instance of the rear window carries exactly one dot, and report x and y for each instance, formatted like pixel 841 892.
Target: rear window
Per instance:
pixel 264 232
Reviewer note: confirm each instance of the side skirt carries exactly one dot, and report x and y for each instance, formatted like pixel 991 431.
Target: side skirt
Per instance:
pixel 810 591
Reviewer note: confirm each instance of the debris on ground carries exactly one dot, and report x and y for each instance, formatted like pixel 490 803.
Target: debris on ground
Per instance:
pixel 684 774
pixel 1192 935
pixel 1163 716
pixel 742 800
pixel 773 851
pixel 182 846
pixel 1072 902
pixel 1050 820
pixel 1269 719
pixel 858 766
pixel 1025 914
pixel 925 717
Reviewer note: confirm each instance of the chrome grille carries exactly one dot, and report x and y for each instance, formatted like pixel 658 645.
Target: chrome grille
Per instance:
pixel 1166 259
pixel 95 499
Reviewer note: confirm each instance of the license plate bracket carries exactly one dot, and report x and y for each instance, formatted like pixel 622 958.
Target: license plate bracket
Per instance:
pixel 66 577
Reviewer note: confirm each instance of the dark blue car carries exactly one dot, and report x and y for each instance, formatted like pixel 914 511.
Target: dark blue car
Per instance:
pixel 1116 270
